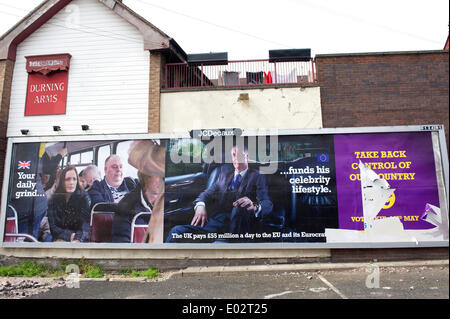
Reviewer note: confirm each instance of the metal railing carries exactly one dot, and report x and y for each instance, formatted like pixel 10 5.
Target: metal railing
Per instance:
pixel 241 73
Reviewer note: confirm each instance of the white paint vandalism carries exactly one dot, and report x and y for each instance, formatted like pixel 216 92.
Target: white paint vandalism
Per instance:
pixel 375 192
pixel 432 215
pixel 388 229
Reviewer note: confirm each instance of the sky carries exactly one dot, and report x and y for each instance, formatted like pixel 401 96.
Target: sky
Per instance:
pixel 248 29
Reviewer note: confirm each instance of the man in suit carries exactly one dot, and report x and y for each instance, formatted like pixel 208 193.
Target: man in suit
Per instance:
pixel 114 186
pixel 232 204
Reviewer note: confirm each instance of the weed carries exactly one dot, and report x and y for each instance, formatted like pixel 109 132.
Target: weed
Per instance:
pixel 87 270
pixel 149 273
pixel 29 269
pixel 93 272
pixel 125 271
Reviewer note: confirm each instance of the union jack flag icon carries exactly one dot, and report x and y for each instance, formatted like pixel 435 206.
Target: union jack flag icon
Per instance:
pixel 24 165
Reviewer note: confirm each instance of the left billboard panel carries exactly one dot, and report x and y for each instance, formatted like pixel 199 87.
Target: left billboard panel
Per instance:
pixel 70 191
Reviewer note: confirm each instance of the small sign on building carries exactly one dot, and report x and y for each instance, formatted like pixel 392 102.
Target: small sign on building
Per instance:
pixel 47 84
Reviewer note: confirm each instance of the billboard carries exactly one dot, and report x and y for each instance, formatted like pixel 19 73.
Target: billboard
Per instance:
pixel 372 188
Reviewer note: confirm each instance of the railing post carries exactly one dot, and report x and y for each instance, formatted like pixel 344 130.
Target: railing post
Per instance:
pixel 313 72
pixel 177 77
pixel 201 75
pixel 275 71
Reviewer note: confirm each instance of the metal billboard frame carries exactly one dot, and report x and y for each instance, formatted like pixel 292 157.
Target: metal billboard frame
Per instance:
pixel 258 246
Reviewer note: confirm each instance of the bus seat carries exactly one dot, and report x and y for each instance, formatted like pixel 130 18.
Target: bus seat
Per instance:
pixel 101 223
pixel 11 228
pixel 138 231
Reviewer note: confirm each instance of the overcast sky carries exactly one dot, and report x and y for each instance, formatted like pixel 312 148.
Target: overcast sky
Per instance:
pixel 247 29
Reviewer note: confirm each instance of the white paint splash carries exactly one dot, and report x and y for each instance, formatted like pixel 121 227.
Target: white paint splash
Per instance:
pixel 375 192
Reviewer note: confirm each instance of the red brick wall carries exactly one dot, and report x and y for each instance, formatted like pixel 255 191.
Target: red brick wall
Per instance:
pixel 157 62
pixel 384 89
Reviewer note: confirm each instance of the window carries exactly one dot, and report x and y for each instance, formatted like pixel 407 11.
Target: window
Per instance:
pixel 122 150
pixel 103 153
pixel 81 160
pixel 87 157
pixel 191 149
pixel 80 168
pixel 75 159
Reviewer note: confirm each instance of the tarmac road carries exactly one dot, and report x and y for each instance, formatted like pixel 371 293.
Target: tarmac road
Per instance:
pixel 419 280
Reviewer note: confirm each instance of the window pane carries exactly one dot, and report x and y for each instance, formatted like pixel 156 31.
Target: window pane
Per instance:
pixel 75 159
pixel 87 157
pixel 79 169
pixel 103 153
pixel 122 151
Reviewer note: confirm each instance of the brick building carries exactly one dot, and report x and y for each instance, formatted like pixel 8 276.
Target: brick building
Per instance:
pixel 384 89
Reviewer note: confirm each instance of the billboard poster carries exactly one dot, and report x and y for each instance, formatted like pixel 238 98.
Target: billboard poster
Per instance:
pixel 218 186
pixel 406 162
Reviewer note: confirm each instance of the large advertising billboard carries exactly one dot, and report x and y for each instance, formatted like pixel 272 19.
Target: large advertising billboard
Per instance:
pixel 339 189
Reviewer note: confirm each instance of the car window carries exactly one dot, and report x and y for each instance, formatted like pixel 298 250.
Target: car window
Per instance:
pixel 190 151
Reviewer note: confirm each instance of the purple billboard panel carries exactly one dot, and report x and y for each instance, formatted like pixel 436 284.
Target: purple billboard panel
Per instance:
pixel 404 160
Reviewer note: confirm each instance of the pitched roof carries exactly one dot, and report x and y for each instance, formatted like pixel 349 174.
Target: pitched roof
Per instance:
pixel 154 39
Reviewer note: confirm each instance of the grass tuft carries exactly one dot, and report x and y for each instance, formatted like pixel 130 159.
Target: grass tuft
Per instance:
pixel 150 273
pixel 87 270
pixel 29 269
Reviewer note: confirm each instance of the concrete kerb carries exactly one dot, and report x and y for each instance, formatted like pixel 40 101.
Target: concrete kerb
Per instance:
pixel 229 270
pixel 262 269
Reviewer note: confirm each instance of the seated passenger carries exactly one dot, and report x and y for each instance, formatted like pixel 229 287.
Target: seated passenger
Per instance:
pixel 82 181
pixel 50 169
pixel 88 176
pixel 69 209
pixel 114 186
pixel 55 180
pixel 141 199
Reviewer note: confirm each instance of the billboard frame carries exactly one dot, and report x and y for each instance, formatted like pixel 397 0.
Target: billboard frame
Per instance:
pixel 444 165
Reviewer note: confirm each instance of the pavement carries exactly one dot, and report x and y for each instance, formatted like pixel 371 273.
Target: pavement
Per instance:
pixel 220 270
pixel 419 279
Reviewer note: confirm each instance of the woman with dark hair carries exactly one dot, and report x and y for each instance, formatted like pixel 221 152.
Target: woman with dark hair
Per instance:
pixel 68 210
